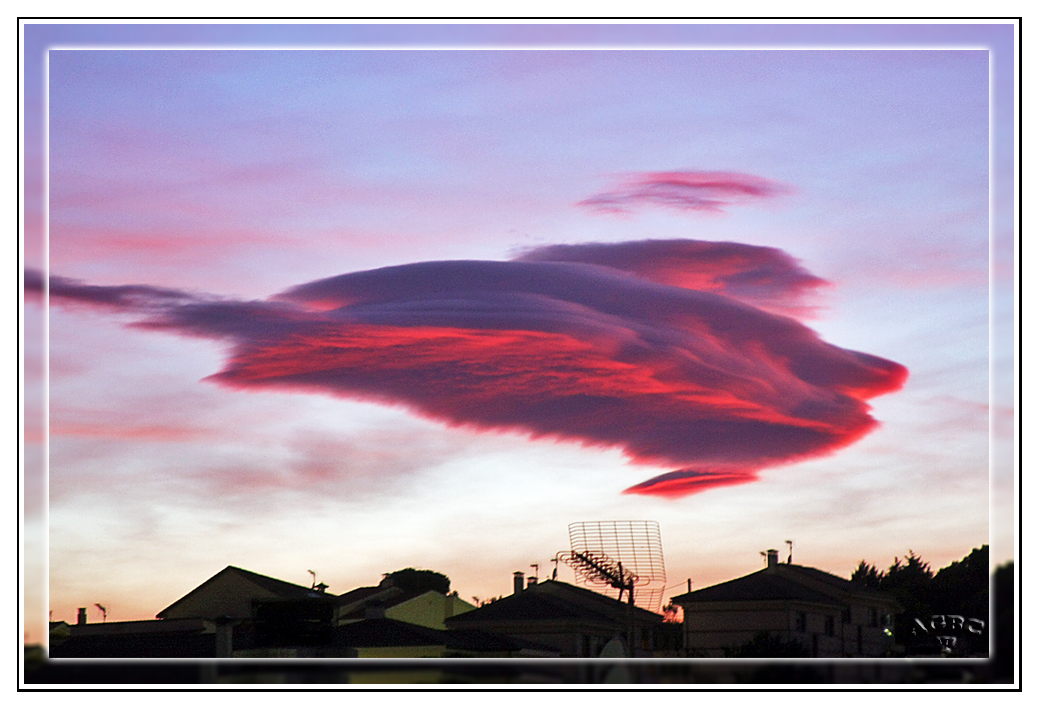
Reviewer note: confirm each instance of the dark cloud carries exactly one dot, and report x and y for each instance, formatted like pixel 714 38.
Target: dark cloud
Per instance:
pixel 690 190
pixel 128 298
pixel 765 277
pixel 584 352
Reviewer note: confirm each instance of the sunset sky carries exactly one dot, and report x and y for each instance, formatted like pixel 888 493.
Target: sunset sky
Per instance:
pixel 357 298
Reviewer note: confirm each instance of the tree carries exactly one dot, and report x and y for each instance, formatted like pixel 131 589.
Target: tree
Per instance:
pixel 867 575
pixel 416 581
pixel 963 587
pixel 960 589
pixel 910 582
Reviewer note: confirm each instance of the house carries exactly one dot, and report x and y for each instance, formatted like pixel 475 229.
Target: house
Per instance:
pixel 180 638
pixel 242 614
pixel 825 615
pixel 572 621
pixel 232 612
pixel 235 593
pixel 427 608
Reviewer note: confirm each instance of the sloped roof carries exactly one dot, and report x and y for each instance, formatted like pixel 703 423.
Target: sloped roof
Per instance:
pixel 383 633
pixel 356 599
pixel 607 605
pixel 556 601
pixel 287 590
pixel 356 595
pixel 783 582
pixel 764 585
pixel 284 590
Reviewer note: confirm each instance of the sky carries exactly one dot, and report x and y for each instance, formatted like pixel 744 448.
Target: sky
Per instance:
pixel 358 298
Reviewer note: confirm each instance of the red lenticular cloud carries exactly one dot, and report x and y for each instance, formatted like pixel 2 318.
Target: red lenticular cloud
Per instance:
pixel 679 484
pixel 606 345
pixel 690 190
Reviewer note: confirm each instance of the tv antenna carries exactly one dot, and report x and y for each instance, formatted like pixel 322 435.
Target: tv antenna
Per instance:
pixel 619 554
pixel 104 612
pixel 599 568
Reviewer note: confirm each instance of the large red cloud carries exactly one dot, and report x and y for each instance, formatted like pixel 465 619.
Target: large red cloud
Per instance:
pixel 603 355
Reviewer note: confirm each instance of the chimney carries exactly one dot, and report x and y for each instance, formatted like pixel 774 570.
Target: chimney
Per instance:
pixel 772 557
pixel 518 582
pixel 531 581
pixel 81 617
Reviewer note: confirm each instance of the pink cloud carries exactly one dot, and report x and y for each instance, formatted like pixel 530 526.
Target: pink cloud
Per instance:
pixel 698 191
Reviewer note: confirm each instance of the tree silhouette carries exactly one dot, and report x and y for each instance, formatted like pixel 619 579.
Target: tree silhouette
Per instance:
pixel 416 581
pixel 963 587
pixel 867 575
pixel 960 589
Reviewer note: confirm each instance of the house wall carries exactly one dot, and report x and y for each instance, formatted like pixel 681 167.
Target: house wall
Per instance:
pixel 865 632
pixel 710 629
pixel 429 610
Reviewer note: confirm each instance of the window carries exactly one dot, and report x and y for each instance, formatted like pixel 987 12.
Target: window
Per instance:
pixel 846 615
pixel 799 622
pixel 873 617
pixel 828 626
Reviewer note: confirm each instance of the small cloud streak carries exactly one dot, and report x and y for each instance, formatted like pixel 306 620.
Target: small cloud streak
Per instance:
pixel 595 344
pixel 688 191
pixel 679 484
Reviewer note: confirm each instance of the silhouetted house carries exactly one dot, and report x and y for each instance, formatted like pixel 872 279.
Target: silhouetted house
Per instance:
pixel 425 608
pixel 235 612
pixel 181 638
pixel 235 593
pixel 825 615
pixel 241 614
pixel 574 622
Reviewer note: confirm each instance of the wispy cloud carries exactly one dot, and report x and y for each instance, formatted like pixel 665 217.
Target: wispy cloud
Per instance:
pixel 680 377
pixel 689 190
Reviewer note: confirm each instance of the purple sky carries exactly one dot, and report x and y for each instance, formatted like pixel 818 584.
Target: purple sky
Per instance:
pixel 425 307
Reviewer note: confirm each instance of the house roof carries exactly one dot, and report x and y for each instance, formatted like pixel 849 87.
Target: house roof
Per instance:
pixel 287 590
pixel 763 585
pixel 284 590
pixel 383 633
pixel 356 595
pixel 782 582
pixel 555 601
